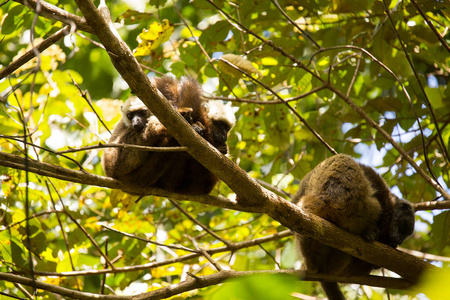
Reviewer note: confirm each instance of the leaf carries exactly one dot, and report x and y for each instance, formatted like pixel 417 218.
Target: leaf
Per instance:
pixel 239 62
pixel 133 16
pixel 257 287
pixel 277 126
pixel 127 200
pixel 434 284
pixel 14 19
pixel 158 3
pixel 441 230
pixel 215 33
pixel 435 97
pixel 288 255
pixel 151 38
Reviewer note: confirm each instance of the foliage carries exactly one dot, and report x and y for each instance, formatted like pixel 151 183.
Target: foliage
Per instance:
pixel 300 77
pixel 257 287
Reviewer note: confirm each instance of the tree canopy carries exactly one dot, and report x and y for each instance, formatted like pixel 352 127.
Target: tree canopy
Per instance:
pixel 306 80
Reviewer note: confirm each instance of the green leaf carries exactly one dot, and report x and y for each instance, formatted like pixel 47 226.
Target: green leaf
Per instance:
pixel 134 17
pixel 14 19
pixel 436 98
pixel 434 284
pixel 215 33
pixel 441 230
pixel 267 287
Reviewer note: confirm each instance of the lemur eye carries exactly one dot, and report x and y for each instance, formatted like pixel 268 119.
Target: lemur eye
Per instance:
pixel 129 116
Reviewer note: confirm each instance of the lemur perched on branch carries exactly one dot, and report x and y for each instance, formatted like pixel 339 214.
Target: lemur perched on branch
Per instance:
pixel 173 171
pixel 354 197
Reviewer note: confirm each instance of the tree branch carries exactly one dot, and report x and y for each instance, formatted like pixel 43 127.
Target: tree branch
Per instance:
pixel 30 54
pixel 55 13
pixel 205 281
pixel 429 205
pixel 129 146
pixel 50 170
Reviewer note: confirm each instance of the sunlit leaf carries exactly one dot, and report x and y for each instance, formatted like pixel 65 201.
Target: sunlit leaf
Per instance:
pixel 434 284
pixel 134 17
pixel 238 62
pixel 127 200
pixel 257 287
pixel 151 38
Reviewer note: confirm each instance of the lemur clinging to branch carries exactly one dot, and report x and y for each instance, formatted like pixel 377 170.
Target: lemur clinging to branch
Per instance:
pixel 354 197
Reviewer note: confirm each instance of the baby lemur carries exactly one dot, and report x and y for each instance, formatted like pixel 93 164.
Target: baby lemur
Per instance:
pixel 173 171
pixel 354 197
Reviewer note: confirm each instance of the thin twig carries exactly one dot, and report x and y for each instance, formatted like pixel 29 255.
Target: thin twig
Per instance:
pixel 430 24
pixel 206 255
pixel 184 212
pixel 43 213
pixel 63 233
pixel 45 149
pixel 355 74
pixel 149 241
pixel 269 102
pixel 125 146
pixel 103 282
pixel 55 13
pixel 86 96
pixel 295 24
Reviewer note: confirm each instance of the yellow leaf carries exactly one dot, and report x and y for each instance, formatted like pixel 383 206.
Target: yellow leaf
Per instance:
pixel 434 284
pixel 153 37
pixel 269 61
pixel 52 280
pixel 158 272
pixel 5 185
pixel 117 196
pixel 240 63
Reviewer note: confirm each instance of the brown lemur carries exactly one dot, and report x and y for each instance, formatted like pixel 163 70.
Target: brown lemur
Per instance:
pixel 354 197
pixel 173 171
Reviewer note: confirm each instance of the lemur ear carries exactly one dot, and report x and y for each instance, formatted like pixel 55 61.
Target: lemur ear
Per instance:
pixel 218 111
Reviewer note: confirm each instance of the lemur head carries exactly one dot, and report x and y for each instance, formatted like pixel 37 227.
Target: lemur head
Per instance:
pixel 135 113
pixel 402 224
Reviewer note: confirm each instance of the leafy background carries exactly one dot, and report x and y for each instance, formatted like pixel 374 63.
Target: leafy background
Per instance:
pixel 346 47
